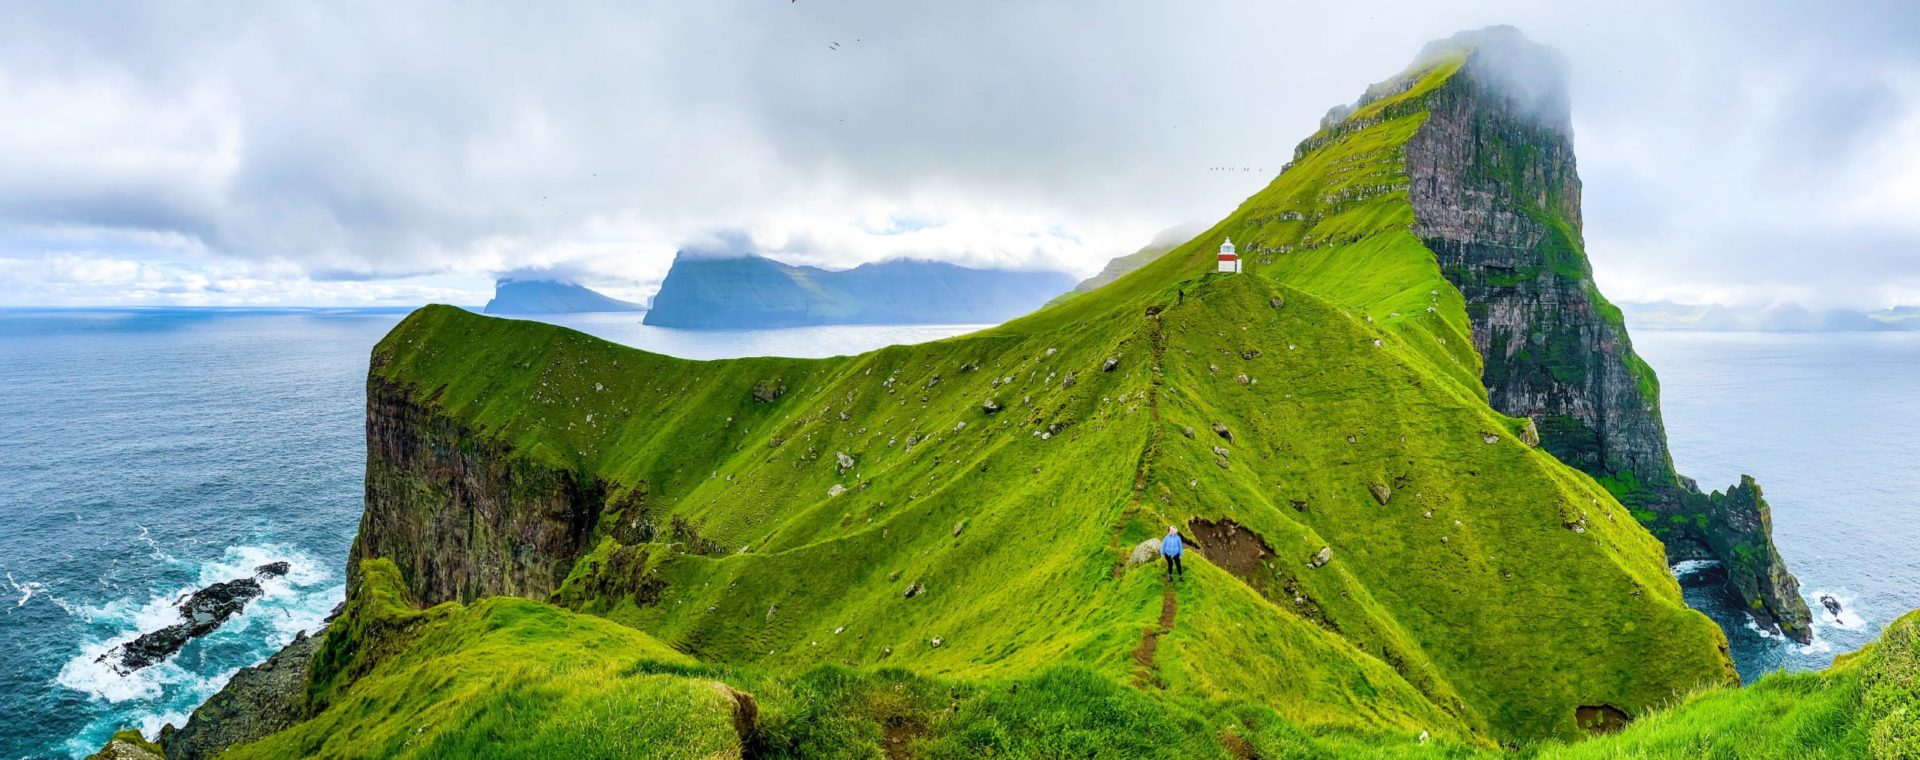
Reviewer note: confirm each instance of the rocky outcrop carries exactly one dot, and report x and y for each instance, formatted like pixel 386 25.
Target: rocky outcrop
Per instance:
pixel 128 745
pixel 200 613
pixel 1496 196
pixel 459 514
pixel 256 702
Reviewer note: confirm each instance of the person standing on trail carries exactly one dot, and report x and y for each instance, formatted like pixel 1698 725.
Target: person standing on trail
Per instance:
pixel 1170 548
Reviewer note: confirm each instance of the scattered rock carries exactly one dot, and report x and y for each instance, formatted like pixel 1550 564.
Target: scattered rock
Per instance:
pixel 1377 343
pixel 1144 552
pixel 1221 452
pixel 935 642
pixel 1299 505
pixel 1187 431
pixel 1321 557
pixel 1068 381
pixel 969 366
pixel 1489 438
pixel 1052 351
pixel 768 391
pixel 1529 433
pixel 846 462
pixel 1243 379
pixel 959 526
pixel 1250 354
pixel 959 426
pixel 913 590
pixel 1220 429
pixel 1276 302
pixel 836 490
pixel 1112 363
pixel 770 611
pixel 886 651
pixel 990 406
pixel 933 381
pixel 1380 492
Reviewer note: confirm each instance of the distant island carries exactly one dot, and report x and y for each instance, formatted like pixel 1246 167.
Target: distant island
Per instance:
pixel 517 296
pixel 1117 267
pixel 1667 315
pixel 746 292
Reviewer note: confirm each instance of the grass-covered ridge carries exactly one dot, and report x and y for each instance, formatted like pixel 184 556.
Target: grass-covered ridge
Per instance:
pixel 515 678
pixel 923 551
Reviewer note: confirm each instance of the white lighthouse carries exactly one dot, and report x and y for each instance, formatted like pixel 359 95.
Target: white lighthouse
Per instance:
pixel 1229 261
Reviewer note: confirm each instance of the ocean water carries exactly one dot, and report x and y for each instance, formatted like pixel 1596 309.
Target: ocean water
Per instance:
pixel 1827 423
pixel 144 454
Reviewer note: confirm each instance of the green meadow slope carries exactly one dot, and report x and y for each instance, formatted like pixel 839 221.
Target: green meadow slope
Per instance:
pixel 577 548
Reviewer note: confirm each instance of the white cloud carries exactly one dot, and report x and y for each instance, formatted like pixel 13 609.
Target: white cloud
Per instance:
pixel 354 150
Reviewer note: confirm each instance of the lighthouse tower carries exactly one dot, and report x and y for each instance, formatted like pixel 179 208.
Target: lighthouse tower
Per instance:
pixel 1229 261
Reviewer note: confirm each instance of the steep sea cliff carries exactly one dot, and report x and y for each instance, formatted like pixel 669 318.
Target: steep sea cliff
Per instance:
pixel 952 523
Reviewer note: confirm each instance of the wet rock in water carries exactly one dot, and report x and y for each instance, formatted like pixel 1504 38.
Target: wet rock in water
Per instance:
pixel 1112 363
pixel 1144 552
pixel 1220 429
pixel 1321 557
pixel 1832 605
pixel 1380 492
pixel 201 612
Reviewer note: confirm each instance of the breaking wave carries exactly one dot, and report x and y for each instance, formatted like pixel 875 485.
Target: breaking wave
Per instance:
pixel 167 692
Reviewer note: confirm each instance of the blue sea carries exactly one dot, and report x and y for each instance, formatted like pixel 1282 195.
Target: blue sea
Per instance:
pixel 146 453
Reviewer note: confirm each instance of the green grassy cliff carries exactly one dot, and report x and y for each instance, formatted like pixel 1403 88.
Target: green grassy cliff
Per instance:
pixel 576 548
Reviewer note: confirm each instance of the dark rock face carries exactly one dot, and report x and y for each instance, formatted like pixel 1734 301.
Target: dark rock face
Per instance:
pixel 256 702
pixel 1496 196
pixel 201 612
pixel 460 516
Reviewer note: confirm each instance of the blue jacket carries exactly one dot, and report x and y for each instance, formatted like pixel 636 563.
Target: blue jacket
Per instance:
pixel 1170 546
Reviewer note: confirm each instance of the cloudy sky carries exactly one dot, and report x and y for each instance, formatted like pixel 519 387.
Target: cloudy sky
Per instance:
pixel 395 153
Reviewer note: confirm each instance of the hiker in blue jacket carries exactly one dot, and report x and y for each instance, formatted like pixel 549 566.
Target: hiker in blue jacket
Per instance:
pixel 1170 548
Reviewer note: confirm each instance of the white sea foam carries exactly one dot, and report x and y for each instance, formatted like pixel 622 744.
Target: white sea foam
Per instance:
pixel 1688 567
pixel 298 601
pixel 146 537
pixel 1849 618
pixel 27 590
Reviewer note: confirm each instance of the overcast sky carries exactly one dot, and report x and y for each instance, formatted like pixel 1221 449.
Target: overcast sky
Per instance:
pixel 396 153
